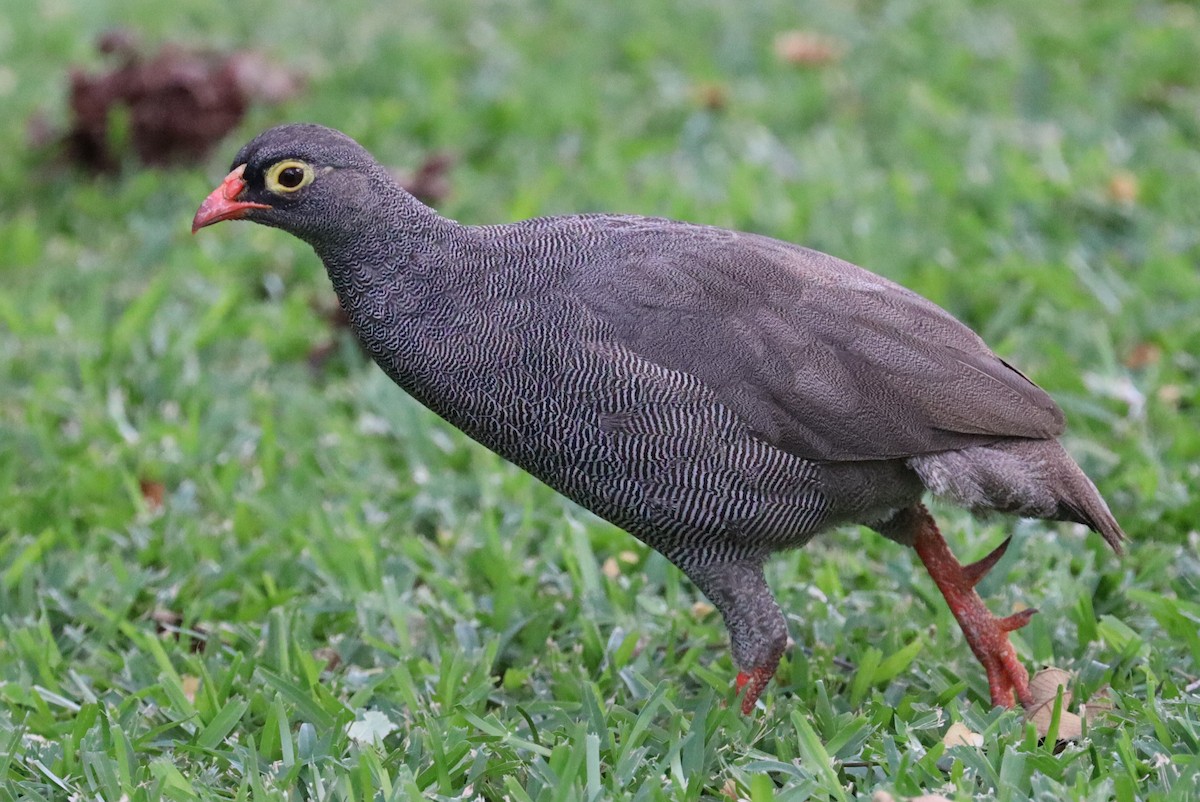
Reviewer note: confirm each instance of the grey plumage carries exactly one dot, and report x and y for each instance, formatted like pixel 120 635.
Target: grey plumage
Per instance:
pixel 719 395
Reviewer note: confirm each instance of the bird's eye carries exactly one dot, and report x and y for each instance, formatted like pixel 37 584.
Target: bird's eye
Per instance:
pixel 289 176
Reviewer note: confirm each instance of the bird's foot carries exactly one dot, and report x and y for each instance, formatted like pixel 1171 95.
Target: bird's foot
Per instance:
pixel 751 685
pixel 986 634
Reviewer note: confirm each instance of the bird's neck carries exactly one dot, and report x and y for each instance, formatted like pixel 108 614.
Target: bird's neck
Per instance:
pixel 399 278
pixel 396 247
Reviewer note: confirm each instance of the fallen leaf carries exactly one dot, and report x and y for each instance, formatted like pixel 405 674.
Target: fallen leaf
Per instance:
pixel 1170 394
pixel 712 96
pixel 190 685
pixel 610 568
pixel 702 610
pixel 960 734
pixel 807 49
pixel 1044 690
pixel 430 183
pixel 167 624
pixel 1123 187
pixel 153 494
pixel 177 103
pixel 1099 705
pixel 1045 684
pixel 329 656
pixel 1142 355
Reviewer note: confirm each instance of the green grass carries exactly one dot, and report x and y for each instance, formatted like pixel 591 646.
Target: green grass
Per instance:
pixel 340 598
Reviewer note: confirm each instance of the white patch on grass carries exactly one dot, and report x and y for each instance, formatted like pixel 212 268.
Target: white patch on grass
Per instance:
pixel 372 728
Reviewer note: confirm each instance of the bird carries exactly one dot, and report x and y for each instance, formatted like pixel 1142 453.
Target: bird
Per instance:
pixel 719 395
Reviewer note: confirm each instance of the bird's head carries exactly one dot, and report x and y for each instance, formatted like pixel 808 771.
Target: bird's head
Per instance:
pixel 305 179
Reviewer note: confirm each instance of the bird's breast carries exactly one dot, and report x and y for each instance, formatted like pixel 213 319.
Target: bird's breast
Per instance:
pixel 647 448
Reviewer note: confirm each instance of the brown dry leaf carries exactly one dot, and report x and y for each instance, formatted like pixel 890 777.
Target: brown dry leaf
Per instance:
pixel 1044 690
pixel 1170 394
pixel 702 610
pixel 153 494
pixel 329 656
pixel 960 734
pixel 628 557
pixel 167 624
pixel 179 102
pixel 712 96
pixel 1045 684
pixel 190 685
pixel 808 49
pixel 1099 705
pixel 430 183
pixel 729 789
pixel 165 620
pixel 1143 354
pixel 611 569
pixel 1123 187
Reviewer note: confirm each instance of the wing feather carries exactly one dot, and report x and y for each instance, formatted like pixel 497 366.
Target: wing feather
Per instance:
pixel 818 357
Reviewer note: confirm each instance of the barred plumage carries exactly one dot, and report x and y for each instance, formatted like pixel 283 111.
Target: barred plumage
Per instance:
pixel 718 395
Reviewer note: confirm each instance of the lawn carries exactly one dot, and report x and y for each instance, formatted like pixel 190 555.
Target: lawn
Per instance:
pixel 231 570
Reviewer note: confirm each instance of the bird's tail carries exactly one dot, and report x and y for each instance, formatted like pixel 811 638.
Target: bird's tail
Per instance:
pixel 1081 502
pixel 1031 478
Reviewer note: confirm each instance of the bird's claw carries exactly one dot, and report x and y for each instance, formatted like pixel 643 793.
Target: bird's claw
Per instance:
pixel 986 634
pixel 1015 621
pixel 977 570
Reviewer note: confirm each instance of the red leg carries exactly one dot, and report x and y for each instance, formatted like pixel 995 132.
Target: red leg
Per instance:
pixel 986 634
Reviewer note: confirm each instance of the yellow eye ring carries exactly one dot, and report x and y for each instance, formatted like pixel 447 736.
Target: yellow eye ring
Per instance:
pixel 288 176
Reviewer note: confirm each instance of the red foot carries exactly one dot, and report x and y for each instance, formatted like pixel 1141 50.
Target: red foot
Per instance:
pixel 753 684
pixel 986 634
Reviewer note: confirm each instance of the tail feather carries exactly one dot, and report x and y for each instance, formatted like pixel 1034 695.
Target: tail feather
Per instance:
pixel 1081 502
pixel 1031 478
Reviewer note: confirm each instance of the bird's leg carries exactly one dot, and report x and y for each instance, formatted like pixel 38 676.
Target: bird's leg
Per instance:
pixel 986 634
pixel 757 630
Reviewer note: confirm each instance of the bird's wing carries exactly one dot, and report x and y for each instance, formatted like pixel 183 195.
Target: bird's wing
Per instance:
pixel 820 358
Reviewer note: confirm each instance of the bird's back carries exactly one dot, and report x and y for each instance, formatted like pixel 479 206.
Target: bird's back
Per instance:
pixel 794 341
